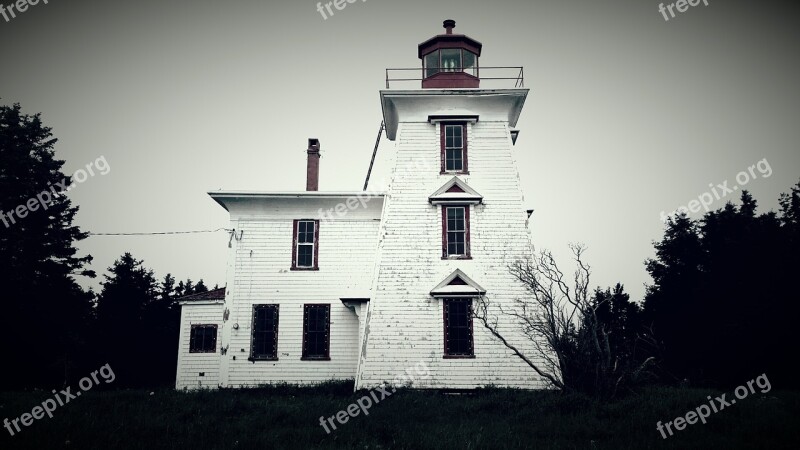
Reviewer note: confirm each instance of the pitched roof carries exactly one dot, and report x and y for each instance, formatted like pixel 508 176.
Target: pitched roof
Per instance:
pixel 214 294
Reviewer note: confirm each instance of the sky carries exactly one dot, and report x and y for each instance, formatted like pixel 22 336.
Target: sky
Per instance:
pixel 628 114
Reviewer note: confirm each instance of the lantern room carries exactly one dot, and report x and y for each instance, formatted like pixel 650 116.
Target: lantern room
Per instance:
pixel 450 60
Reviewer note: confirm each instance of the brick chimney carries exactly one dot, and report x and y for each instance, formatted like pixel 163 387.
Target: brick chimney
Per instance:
pixel 312 166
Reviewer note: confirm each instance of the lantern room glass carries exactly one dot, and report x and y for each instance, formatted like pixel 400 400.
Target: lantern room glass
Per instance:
pixel 450 60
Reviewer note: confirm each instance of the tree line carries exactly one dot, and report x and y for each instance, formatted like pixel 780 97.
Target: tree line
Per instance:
pixel 57 331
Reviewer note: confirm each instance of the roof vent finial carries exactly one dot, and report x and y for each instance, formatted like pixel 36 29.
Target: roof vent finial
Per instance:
pixel 449 24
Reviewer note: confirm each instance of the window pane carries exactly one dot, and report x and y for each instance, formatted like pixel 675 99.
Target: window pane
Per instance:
pixel 316 333
pixel 451 60
pixel 454 147
pixel 305 232
pixel 203 339
pixel 470 63
pixel 431 63
pixel 265 327
pixel 458 324
pixel 305 255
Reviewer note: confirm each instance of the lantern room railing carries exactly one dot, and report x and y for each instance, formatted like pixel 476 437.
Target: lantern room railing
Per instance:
pixel 497 77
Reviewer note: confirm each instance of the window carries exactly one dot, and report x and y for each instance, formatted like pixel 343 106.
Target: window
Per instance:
pixel 454 148
pixel 265 333
pixel 458 328
pixel 455 232
pixel 431 64
pixel 203 339
pixel 316 331
pixel 304 246
pixel 450 60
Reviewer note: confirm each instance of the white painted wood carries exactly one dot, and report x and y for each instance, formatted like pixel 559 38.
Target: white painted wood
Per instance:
pixel 405 324
pixel 192 365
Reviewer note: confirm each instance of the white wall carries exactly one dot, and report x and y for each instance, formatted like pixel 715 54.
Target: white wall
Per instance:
pixel 261 275
pixel 191 365
pixel 405 322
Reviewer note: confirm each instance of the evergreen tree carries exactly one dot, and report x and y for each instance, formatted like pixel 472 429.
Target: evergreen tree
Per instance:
pixel 167 289
pixel 720 304
pixel 122 317
pixel 38 257
pixel 200 287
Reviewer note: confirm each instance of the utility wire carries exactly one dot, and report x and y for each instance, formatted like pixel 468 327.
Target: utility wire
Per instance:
pixel 160 233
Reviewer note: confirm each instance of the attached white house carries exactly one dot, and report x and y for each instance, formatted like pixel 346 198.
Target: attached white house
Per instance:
pixel 365 285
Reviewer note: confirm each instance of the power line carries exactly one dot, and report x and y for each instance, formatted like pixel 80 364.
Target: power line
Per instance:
pixel 161 233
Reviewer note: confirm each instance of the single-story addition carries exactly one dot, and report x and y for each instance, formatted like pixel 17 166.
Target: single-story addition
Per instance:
pixel 366 285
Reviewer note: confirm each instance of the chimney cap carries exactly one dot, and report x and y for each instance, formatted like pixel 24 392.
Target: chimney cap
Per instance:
pixel 313 144
pixel 449 24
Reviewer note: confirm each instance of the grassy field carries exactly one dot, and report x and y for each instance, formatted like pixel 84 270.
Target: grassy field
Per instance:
pixel 287 417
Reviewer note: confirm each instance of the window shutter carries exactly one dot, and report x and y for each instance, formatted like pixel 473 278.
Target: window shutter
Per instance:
pixel 294 244
pixel 316 244
pixel 444 232
pixel 464 164
pixel 466 231
pixel 442 142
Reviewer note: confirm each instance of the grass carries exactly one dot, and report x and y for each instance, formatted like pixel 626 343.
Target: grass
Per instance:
pixel 287 417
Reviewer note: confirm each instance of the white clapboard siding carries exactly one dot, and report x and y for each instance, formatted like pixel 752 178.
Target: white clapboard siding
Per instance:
pixel 262 275
pixel 198 370
pixel 405 323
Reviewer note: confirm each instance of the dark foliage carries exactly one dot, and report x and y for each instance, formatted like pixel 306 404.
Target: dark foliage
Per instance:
pixel 40 298
pixel 722 305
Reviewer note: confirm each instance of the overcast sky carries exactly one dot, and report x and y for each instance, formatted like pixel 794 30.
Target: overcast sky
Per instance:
pixel 628 115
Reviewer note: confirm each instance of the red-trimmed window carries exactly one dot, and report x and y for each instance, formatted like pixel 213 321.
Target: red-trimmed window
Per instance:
pixel 454 148
pixel 265 333
pixel 305 245
pixel 455 232
pixel 458 342
pixel 203 339
pixel 316 332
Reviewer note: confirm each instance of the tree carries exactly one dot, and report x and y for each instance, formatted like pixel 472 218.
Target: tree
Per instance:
pixel 200 287
pixel 720 304
pixel 40 296
pixel 121 311
pixel 563 326
pixel 167 289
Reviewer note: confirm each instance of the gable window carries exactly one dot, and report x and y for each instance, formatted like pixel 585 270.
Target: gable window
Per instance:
pixel 265 333
pixel 455 232
pixel 454 148
pixel 203 339
pixel 305 249
pixel 458 328
pixel 316 331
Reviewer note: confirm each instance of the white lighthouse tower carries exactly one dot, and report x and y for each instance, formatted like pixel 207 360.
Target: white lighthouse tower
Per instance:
pixel 452 223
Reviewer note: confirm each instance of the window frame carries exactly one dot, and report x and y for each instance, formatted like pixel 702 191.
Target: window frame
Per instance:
pixel 264 357
pixel 327 356
pixel 192 331
pixel 445 304
pixel 443 148
pixel 296 245
pixel 445 247
pixel 472 71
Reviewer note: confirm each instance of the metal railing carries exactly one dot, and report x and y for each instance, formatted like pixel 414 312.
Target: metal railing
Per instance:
pixel 509 73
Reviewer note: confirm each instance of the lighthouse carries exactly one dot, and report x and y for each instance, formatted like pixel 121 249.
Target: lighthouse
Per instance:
pixel 452 224
pixel 380 286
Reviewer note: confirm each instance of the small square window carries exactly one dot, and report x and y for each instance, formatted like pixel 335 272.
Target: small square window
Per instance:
pixel 203 339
